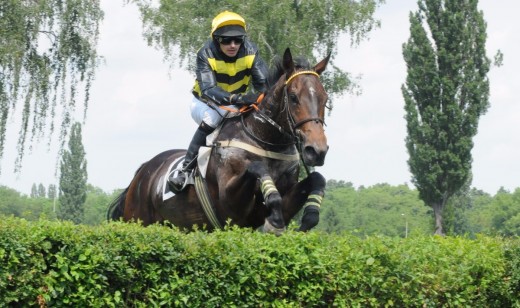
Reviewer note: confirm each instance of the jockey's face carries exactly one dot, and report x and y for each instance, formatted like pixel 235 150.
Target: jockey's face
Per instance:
pixel 230 50
pixel 230 45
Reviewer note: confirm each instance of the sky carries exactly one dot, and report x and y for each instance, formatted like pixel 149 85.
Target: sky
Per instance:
pixel 139 107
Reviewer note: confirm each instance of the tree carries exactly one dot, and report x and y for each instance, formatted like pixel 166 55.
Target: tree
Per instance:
pixel 309 28
pixel 96 205
pixel 331 222
pixel 34 191
pixel 38 191
pixel 47 51
pixel 51 192
pixel 73 178
pixel 41 191
pixel 445 93
pixel 455 220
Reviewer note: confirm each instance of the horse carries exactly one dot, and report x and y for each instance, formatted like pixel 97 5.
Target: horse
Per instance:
pixel 252 176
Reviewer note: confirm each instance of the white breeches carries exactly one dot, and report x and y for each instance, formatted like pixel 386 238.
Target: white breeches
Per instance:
pixel 200 112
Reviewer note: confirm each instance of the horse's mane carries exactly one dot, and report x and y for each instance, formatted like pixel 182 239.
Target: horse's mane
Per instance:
pixel 277 70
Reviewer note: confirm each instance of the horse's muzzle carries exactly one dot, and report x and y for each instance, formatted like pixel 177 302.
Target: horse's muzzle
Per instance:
pixel 313 144
pixel 314 156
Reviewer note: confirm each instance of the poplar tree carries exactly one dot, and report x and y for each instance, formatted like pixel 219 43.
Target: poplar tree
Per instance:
pixel 445 93
pixel 73 178
pixel 42 192
pixel 47 58
pixel 34 191
pixel 51 191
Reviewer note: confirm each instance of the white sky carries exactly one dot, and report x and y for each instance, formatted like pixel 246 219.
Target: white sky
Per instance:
pixel 139 108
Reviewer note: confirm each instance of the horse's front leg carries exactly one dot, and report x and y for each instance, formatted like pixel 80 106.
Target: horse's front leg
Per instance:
pixel 274 223
pixel 307 194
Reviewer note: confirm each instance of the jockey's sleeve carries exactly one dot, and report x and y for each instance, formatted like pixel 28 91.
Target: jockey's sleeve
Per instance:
pixel 259 72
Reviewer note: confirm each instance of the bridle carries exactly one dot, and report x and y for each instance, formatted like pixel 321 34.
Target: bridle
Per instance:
pixel 295 124
pixel 290 119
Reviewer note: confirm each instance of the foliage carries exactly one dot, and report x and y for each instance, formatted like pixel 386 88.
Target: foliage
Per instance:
pixel 309 28
pixel 61 264
pixel 502 214
pixel 47 50
pixel 96 204
pixel 12 203
pixel 379 209
pixel 445 93
pixel 73 178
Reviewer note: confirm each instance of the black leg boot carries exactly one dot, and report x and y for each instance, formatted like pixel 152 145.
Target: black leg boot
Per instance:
pixel 198 140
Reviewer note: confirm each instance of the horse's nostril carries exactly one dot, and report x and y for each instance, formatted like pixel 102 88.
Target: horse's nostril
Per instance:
pixel 310 151
pixel 314 157
pixel 310 155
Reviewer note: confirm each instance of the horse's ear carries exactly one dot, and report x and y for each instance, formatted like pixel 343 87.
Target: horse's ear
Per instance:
pixel 288 64
pixel 320 67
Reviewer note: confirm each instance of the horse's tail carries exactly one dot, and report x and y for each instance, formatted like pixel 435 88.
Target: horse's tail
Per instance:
pixel 116 208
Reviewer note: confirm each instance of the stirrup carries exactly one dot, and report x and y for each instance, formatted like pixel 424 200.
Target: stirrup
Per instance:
pixel 181 172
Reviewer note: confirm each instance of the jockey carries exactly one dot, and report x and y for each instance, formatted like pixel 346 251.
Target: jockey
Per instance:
pixel 226 65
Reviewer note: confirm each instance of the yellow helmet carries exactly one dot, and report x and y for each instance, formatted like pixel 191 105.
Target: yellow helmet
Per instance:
pixel 228 24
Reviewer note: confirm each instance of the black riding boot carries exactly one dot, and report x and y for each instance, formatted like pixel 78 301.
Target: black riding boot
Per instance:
pixel 198 140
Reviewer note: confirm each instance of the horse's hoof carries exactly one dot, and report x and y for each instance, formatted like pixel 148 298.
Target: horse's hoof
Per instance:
pixel 269 228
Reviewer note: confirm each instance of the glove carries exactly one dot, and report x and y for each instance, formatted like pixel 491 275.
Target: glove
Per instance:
pixel 250 98
pixel 244 100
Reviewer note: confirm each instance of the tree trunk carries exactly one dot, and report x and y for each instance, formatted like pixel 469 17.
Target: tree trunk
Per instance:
pixel 437 210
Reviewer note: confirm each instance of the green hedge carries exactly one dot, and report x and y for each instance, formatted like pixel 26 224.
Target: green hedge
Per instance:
pixel 60 264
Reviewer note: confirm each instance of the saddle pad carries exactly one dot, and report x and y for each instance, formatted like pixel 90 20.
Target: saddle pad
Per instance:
pixel 176 165
pixel 174 168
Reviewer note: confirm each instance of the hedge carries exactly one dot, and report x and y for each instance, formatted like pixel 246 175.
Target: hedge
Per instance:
pixel 126 265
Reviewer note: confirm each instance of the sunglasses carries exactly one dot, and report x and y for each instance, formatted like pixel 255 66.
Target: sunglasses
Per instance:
pixel 226 40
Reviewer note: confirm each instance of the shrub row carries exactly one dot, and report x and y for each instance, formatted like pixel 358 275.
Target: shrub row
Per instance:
pixel 60 264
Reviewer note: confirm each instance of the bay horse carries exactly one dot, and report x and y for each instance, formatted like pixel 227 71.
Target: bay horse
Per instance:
pixel 253 169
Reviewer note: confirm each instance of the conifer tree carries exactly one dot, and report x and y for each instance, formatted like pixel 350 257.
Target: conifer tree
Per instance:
pixel 445 93
pixel 73 178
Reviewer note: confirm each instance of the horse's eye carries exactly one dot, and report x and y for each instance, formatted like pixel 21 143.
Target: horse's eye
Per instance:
pixel 293 97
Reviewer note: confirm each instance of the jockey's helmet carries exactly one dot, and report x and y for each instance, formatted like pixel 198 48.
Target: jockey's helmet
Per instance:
pixel 228 24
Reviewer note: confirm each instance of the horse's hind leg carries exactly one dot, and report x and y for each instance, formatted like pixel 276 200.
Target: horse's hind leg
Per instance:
pixel 307 194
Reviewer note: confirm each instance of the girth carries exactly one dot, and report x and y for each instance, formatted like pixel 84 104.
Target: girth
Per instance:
pixel 258 151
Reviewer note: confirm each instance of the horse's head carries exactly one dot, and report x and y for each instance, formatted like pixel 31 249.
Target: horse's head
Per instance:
pixel 306 99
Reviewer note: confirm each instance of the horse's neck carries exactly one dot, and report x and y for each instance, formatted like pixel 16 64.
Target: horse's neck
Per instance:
pixel 274 107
